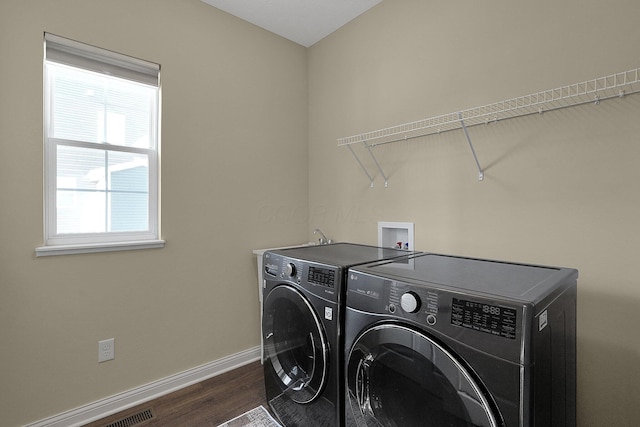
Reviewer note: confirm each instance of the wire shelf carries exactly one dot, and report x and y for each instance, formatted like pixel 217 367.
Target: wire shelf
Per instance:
pixel 590 91
pixel 615 85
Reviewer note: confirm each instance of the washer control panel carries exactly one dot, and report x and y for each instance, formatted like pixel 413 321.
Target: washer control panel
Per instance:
pixel 323 276
pixel 320 279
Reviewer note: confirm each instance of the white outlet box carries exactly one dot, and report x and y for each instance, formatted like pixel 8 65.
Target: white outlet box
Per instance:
pixel 390 234
pixel 106 350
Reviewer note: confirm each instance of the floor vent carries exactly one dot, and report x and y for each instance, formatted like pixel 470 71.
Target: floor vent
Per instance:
pixel 133 420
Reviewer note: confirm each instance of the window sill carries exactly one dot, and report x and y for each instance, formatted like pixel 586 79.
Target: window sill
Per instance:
pixel 98 247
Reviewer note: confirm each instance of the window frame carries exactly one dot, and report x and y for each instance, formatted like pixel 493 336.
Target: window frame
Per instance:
pixel 85 57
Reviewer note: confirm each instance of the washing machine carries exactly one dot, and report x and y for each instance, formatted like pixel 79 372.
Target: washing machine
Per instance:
pixel 302 329
pixel 441 340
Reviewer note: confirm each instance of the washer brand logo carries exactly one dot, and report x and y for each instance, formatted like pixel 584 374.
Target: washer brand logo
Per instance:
pixel 353 277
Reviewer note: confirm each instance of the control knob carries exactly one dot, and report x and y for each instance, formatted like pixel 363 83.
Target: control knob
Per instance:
pixel 290 269
pixel 410 302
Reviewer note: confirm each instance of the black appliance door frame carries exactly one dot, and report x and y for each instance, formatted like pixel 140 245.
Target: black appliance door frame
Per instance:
pixel 399 376
pixel 295 344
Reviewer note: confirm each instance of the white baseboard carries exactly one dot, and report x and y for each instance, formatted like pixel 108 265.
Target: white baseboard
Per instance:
pixel 119 402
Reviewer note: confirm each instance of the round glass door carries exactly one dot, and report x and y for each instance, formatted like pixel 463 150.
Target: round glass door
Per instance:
pixel 294 344
pixel 400 377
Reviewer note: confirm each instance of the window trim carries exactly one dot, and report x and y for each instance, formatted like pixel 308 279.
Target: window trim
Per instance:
pixel 98 247
pixel 71 53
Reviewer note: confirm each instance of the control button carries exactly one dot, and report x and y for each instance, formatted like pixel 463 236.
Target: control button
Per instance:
pixel 431 320
pixel 392 308
pixel 290 269
pixel 410 302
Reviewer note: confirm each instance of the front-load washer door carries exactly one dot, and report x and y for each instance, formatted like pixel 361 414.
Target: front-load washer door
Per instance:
pixel 400 377
pixel 295 344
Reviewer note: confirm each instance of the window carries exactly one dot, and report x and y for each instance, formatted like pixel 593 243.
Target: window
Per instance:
pixel 101 145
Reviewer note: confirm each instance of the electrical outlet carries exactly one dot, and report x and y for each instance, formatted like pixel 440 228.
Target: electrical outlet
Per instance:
pixel 106 350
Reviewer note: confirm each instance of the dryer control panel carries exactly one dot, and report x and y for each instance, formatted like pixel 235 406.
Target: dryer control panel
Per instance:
pixel 493 326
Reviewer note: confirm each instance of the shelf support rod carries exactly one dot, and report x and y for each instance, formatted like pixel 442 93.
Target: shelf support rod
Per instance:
pixel 361 165
pixel 466 134
pixel 386 181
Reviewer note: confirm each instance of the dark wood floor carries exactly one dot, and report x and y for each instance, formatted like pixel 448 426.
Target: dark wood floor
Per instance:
pixel 208 403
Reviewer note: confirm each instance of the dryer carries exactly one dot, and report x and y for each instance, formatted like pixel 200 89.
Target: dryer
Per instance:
pixel 302 329
pixel 440 340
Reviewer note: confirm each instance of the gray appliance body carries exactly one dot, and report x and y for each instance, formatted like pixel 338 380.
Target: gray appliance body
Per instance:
pixel 302 328
pixel 441 340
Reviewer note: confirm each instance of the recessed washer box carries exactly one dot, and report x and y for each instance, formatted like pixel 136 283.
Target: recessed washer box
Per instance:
pixel 392 233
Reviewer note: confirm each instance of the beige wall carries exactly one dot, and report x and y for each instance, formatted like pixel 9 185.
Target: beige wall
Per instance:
pixel 234 106
pixel 560 188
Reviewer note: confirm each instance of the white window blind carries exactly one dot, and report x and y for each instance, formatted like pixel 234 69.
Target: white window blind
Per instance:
pixel 101 112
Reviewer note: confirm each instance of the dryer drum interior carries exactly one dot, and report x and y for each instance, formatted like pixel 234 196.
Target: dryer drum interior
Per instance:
pixel 398 376
pixel 295 344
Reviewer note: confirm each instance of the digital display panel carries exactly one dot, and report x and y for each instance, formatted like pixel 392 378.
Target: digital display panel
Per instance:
pixel 322 276
pixel 491 319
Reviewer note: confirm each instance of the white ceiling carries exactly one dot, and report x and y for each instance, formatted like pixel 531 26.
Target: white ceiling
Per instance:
pixel 302 21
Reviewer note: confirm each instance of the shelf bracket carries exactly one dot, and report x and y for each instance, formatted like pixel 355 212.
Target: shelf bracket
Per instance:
pixel 386 181
pixel 361 165
pixel 475 157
